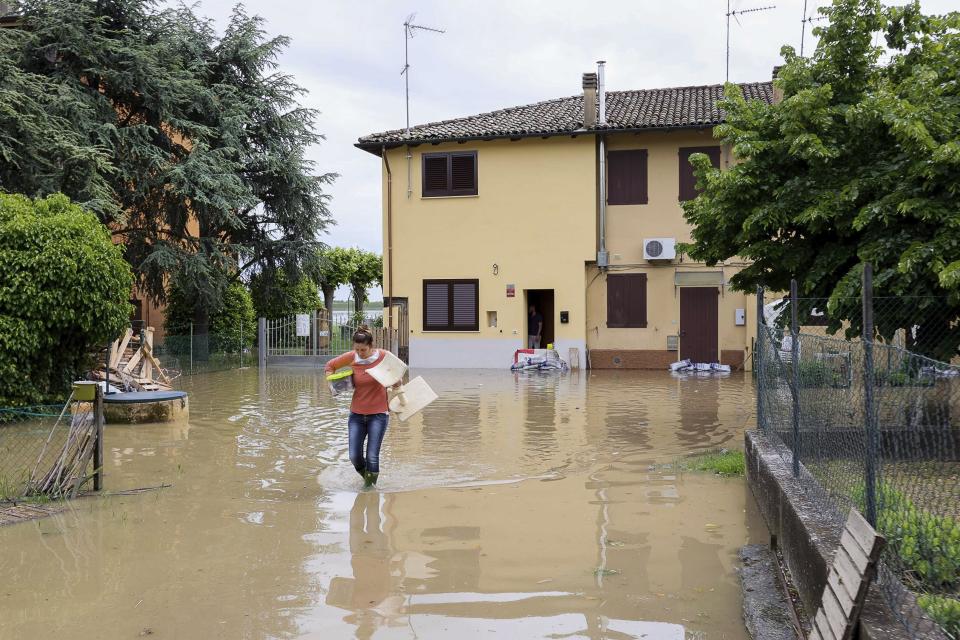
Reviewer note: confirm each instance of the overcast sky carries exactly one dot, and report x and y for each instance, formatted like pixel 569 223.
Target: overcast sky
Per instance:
pixel 348 54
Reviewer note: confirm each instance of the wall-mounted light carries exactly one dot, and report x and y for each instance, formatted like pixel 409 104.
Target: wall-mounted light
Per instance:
pixel 496 268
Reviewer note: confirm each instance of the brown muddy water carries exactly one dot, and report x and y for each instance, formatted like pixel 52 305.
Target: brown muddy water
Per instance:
pixel 516 506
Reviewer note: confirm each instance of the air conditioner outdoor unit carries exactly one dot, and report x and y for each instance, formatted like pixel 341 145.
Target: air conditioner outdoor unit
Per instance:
pixel 659 248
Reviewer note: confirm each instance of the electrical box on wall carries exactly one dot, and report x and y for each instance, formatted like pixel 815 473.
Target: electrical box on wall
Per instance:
pixel 740 317
pixel 564 317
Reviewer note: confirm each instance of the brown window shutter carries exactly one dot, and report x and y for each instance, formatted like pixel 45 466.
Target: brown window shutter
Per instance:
pixel 435 175
pixel 451 305
pixel 464 174
pixel 688 182
pixel 465 306
pixel 450 174
pixel 436 305
pixel 627 300
pixel 627 177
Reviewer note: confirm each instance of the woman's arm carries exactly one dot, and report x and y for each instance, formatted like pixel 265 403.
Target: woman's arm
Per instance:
pixel 340 361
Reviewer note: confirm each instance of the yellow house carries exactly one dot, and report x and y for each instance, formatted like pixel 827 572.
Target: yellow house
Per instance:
pixel 571 205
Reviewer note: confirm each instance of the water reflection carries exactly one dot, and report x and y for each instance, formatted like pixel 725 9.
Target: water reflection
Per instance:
pixel 368 593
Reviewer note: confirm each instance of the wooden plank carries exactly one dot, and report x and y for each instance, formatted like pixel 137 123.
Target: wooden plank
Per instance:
pixel 821 624
pixel 133 361
pixel 854 552
pixel 147 370
pixel 839 592
pixel 860 529
pixel 843 574
pixel 814 634
pixel 121 348
pixel 835 617
pixel 150 358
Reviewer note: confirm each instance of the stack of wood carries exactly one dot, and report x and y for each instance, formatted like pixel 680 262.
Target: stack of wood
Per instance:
pixel 132 364
pixel 69 470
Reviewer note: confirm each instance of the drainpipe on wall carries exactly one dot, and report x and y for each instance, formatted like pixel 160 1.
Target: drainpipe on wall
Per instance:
pixel 409 173
pixel 602 255
pixel 389 310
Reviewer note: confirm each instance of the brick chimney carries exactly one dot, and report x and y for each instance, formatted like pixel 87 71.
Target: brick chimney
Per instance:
pixel 589 100
pixel 777 91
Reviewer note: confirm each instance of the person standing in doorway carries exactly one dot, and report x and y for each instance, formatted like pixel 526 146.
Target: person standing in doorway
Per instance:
pixel 534 328
pixel 369 407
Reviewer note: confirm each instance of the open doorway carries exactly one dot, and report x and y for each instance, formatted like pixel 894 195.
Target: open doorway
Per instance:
pixel 542 300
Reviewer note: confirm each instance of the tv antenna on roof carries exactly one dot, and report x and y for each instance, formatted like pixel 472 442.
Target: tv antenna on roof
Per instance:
pixel 736 13
pixel 807 18
pixel 409 29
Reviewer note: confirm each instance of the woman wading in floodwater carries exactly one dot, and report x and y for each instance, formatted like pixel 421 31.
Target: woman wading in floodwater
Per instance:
pixel 368 409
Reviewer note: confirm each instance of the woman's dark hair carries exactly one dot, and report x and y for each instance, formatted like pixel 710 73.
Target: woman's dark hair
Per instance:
pixel 363 335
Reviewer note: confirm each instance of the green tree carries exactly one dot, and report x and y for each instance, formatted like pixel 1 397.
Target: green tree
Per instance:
pixel 235 317
pixel 276 295
pixel 858 163
pixel 367 271
pixel 188 142
pixel 64 292
pixel 332 268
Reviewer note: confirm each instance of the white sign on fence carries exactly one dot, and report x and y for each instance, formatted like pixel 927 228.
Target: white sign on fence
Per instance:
pixel 303 324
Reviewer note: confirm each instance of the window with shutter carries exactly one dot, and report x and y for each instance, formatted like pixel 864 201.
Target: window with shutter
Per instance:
pixel 627 301
pixel 627 177
pixel 688 181
pixel 451 305
pixel 450 174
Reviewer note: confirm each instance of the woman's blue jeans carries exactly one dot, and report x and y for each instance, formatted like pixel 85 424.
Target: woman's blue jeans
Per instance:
pixel 372 429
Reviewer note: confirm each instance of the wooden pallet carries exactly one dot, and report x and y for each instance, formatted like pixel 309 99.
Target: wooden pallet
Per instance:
pixel 853 569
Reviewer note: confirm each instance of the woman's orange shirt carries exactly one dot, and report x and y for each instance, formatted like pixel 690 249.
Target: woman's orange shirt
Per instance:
pixel 369 396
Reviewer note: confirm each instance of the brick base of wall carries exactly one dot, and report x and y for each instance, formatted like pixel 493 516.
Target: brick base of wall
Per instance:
pixel 732 357
pixel 631 359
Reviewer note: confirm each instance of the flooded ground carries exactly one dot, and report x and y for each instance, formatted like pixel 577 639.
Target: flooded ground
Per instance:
pixel 516 506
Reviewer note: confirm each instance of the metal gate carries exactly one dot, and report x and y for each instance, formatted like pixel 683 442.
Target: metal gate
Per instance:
pixel 311 339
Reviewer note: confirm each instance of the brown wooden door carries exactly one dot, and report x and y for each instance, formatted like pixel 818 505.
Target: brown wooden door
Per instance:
pixel 698 324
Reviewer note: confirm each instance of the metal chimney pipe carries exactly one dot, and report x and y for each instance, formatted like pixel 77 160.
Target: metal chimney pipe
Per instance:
pixel 601 93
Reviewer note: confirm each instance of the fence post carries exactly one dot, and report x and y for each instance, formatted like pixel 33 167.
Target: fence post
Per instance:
pixel 241 343
pixel 795 377
pixel 261 342
pixel 191 348
pixel 98 447
pixel 870 418
pixel 758 357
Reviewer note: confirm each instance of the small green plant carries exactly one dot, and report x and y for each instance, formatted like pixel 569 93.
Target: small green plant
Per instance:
pixel 944 610
pixel 723 462
pixel 927 545
pixel 901 378
pixel 9 489
pixel 820 374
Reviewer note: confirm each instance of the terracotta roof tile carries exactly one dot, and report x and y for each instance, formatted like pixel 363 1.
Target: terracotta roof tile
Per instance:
pixel 626 110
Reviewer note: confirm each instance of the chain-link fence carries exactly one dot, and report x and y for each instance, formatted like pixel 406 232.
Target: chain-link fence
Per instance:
pixel 197 350
pixel 28 442
pixel 875 425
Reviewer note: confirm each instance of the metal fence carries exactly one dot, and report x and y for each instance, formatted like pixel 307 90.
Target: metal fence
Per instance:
pixel 872 422
pixel 318 334
pixel 23 433
pixel 196 350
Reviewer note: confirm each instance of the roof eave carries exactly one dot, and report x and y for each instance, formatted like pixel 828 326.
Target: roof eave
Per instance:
pixel 376 148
